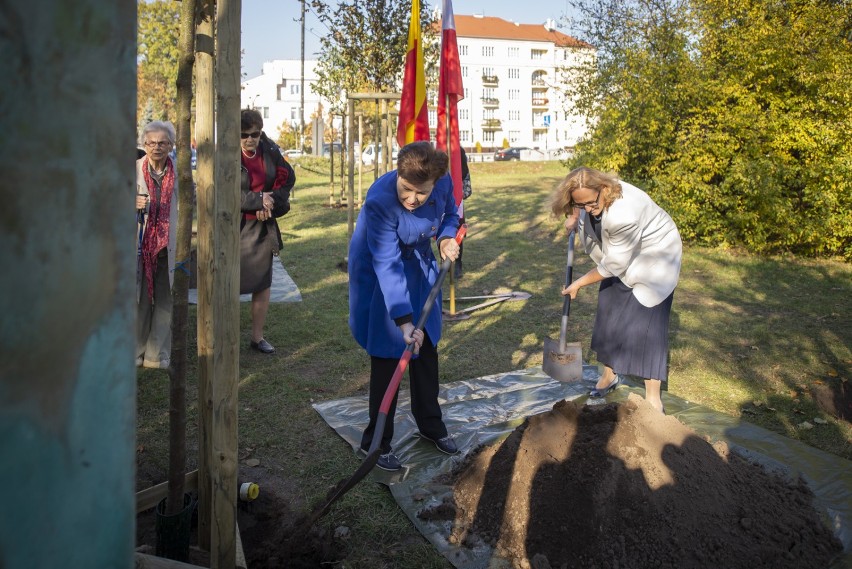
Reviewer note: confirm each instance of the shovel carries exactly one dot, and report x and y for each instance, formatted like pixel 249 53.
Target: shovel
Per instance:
pixel 562 361
pixel 375 446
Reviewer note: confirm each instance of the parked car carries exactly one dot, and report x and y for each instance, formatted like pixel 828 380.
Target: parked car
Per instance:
pixel 292 153
pixel 326 149
pixel 511 153
pixel 369 154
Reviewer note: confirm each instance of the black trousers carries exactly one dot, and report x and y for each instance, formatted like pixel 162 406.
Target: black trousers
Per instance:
pixel 423 379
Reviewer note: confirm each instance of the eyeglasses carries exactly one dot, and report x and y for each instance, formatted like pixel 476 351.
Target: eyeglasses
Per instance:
pixel 593 204
pixel 250 134
pixel 158 144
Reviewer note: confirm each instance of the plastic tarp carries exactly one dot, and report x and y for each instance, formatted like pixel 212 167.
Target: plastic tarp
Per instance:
pixel 487 409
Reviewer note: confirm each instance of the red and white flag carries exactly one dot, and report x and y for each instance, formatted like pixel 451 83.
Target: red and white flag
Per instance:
pixel 413 112
pixel 450 92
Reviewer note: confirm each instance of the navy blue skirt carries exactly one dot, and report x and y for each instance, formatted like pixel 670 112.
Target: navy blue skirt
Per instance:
pixel 631 338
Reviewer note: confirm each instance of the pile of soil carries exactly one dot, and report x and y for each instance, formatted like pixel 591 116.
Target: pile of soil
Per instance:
pixel 622 486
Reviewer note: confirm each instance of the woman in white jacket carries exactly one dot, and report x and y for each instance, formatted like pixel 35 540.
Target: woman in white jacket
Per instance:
pixel 637 251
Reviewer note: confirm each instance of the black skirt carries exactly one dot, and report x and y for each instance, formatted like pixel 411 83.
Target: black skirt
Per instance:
pixel 631 338
pixel 256 252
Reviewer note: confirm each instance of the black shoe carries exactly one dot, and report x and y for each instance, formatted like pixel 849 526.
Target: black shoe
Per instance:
pixel 262 346
pixel 595 393
pixel 389 462
pixel 446 444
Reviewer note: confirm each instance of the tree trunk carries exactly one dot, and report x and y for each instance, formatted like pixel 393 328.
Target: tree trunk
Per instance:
pixel 180 292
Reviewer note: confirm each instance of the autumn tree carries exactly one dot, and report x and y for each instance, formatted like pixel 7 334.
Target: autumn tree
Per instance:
pixel 365 48
pixel 157 59
pixel 734 116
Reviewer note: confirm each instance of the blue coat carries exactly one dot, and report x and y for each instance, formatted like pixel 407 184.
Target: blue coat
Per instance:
pixel 392 266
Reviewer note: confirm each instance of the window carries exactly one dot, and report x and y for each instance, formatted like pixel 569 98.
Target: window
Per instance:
pixel 514 73
pixel 466 94
pixel 462 49
pixel 514 136
pixel 514 94
pixel 488 51
pixel 488 114
pixel 294 113
pixel 488 93
pixel 266 112
pixel 514 115
pixel 538 53
pixel 464 136
pixel 487 71
pixel 294 89
pixel 488 136
pixel 539 136
pixel 464 114
pixel 514 51
pixel 464 70
pixel 433 117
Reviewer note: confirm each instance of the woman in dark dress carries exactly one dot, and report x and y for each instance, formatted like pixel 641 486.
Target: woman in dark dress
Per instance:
pixel 637 251
pixel 266 181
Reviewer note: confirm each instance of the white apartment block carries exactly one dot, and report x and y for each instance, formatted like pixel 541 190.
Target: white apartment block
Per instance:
pixel 276 93
pixel 513 84
pixel 512 80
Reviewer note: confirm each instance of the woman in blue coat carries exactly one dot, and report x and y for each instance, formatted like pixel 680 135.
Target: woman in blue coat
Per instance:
pixel 391 270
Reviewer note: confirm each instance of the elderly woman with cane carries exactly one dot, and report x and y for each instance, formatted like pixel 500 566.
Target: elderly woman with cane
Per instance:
pixel 637 251
pixel 156 210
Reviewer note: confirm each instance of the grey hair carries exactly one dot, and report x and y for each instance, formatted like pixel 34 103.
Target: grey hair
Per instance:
pixel 158 126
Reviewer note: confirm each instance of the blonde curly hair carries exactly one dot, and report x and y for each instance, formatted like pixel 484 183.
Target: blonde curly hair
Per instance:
pixel 583 177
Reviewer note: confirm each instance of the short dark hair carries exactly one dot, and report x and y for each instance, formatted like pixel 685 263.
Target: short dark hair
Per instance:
pixel 250 118
pixel 419 162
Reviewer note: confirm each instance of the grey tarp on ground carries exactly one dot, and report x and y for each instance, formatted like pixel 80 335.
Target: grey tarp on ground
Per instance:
pixel 283 287
pixel 486 409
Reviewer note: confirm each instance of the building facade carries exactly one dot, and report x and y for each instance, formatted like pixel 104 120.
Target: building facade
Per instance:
pixel 276 94
pixel 513 77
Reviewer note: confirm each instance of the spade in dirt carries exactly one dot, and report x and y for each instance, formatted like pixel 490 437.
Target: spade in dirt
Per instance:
pixel 564 361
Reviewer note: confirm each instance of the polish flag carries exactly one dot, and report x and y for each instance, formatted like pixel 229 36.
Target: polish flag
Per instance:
pixel 450 92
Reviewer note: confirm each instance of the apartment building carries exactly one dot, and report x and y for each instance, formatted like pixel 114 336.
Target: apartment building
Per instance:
pixel 513 80
pixel 276 94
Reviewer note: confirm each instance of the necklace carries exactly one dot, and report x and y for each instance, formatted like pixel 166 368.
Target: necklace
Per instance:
pixel 253 154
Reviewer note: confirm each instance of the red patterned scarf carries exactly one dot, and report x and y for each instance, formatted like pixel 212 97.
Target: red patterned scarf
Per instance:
pixel 156 235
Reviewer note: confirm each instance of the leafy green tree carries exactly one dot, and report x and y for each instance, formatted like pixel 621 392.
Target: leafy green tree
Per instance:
pixel 365 48
pixel 735 116
pixel 766 160
pixel 157 58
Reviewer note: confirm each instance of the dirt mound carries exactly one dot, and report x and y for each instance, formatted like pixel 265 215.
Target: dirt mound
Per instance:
pixel 621 486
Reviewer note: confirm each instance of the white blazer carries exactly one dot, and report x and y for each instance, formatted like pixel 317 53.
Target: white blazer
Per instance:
pixel 639 244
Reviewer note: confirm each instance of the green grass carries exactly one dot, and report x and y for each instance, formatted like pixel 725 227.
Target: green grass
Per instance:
pixel 749 335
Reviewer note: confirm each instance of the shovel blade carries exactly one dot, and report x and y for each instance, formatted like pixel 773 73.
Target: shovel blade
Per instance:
pixel 567 365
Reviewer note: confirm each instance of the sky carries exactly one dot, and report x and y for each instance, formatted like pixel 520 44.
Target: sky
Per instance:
pixel 271 28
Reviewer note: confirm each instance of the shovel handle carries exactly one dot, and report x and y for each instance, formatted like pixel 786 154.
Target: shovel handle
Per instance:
pixel 566 303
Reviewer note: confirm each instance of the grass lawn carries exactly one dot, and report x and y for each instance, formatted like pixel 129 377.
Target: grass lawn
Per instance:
pixel 752 337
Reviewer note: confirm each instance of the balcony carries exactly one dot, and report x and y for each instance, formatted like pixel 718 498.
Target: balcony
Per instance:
pixel 491 124
pixel 490 102
pixel 538 83
pixel 540 101
pixel 491 80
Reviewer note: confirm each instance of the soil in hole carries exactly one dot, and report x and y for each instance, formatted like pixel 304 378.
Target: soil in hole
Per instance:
pixel 266 526
pixel 623 486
